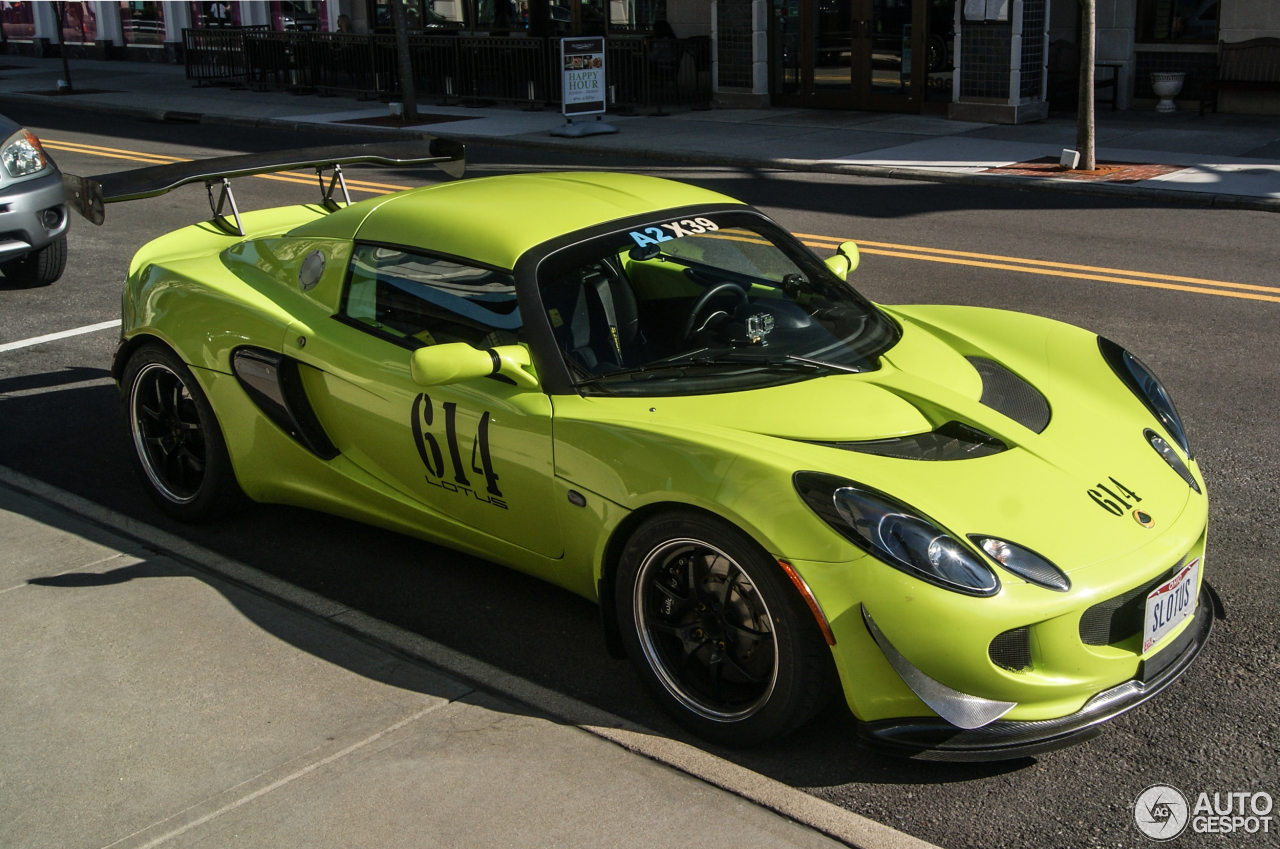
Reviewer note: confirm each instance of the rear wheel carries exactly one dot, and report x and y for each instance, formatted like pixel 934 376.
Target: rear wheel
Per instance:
pixel 719 634
pixel 179 452
pixel 38 268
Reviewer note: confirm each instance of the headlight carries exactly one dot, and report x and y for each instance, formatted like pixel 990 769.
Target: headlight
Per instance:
pixel 1165 450
pixel 1024 563
pixel 1147 387
pixel 896 534
pixel 22 154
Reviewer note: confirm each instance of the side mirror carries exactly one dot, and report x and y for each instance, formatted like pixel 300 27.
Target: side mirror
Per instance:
pixel 845 261
pixel 437 365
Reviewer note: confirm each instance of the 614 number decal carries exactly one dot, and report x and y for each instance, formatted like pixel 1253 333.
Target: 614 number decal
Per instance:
pixel 1110 504
pixel 429 450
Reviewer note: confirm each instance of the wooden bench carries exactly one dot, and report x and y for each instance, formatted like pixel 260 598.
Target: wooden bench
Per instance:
pixel 1252 65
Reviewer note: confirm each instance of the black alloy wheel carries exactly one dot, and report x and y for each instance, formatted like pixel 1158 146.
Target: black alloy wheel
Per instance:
pixel 179 451
pixel 167 433
pixel 705 630
pixel 718 632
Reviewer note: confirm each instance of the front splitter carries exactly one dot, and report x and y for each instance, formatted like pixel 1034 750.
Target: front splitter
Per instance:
pixel 932 738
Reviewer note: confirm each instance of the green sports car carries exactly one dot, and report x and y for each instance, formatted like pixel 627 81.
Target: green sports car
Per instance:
pixel 986 529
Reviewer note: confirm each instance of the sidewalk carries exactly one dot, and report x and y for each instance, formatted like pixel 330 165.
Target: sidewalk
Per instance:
pixel 1221 160
pixel 148 701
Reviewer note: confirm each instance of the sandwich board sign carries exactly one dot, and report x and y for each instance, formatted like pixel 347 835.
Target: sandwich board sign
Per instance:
pixel 583 90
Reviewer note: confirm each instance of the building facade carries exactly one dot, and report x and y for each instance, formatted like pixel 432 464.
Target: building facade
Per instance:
pixel 153 30
pixel 993 60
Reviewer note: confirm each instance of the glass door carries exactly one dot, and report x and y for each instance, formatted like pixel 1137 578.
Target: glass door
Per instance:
pixel 848 54
pixel 786 65
pixel 833 47
pixel 893 81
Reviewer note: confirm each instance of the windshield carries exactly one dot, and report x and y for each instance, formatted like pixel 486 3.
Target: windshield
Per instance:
pixel 713 303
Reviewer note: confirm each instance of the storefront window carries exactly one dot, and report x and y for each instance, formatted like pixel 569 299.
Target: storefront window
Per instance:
pixel 441 14
pixel 1187 21
pixel 142 24
pixel 79 23
pixel 298 16
pixel 635 15
pixel 18 21
pixel 215 15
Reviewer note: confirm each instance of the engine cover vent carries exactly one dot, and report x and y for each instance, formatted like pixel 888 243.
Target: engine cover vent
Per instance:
pixel 1005 392
pixel 952 441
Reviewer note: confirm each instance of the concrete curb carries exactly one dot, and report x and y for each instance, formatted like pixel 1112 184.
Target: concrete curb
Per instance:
pixel 833 821
pixel 1001 181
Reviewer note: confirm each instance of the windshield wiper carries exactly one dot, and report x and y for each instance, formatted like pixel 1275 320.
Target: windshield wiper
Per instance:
pixel 726 359
pixel 824 364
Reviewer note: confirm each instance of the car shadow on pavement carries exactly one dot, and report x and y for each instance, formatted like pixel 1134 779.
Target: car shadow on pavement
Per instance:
pixel 820 755
pixel 506 619
pixel 303 631
pixel 51 379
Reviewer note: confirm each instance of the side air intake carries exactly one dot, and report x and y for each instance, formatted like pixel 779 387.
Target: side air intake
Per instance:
pixel 1012 650
pixel 1005 392
pixel 273 382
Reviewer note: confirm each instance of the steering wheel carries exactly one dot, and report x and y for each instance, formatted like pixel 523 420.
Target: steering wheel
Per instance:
pixel 705 298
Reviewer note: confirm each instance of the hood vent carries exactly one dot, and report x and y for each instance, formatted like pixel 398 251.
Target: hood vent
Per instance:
pixel 952 441
pixel 1005 392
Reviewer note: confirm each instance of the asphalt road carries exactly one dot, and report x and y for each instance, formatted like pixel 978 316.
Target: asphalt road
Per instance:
pixel 1215 731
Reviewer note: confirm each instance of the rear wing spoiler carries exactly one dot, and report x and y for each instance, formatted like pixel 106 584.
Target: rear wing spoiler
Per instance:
pixel 88 195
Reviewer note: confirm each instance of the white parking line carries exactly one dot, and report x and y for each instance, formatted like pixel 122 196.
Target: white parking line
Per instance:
pixel 61 334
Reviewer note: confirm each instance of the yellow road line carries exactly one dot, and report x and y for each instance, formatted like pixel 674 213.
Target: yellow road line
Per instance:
pixel 1152 284
pixel 93 148
pixel 916 252
pixel 150 161
pixel 1044 263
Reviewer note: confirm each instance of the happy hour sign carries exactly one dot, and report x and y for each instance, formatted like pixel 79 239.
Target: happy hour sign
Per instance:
pixel 583 61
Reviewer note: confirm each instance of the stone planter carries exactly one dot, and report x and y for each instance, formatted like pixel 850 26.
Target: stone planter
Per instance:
pixel 1167 85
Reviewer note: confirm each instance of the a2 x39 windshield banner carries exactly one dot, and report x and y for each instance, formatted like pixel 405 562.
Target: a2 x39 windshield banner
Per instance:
pixel 583 62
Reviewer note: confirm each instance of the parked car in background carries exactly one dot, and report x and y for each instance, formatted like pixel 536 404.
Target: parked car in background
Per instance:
pixel 33 210
pixel 298 17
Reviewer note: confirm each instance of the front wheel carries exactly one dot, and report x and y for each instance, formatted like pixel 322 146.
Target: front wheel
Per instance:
pixel 717 631
pixel 38 268
pixel 179 453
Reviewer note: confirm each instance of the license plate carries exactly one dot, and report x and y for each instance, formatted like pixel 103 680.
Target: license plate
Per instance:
pixel 1169 604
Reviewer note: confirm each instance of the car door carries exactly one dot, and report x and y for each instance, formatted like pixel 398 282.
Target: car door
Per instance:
pixel 477 451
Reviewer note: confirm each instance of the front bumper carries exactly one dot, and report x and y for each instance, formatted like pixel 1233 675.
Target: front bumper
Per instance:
pixel 22 204
pixel 932 738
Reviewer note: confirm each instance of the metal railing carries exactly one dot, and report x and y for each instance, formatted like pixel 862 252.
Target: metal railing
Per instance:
pixel 214 55
pixel 643 72
pixel 640 72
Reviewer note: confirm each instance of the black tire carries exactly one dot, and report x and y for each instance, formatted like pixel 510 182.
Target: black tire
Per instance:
pixel 718 632
pixel 38 268
pixel 178 450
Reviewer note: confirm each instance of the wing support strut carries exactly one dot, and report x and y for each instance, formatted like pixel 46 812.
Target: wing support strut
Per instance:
pixel 225 197
pixel 326 194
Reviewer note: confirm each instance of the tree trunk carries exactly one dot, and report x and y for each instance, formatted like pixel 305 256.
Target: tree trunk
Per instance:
pixel 1088 55
pixel 408 98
